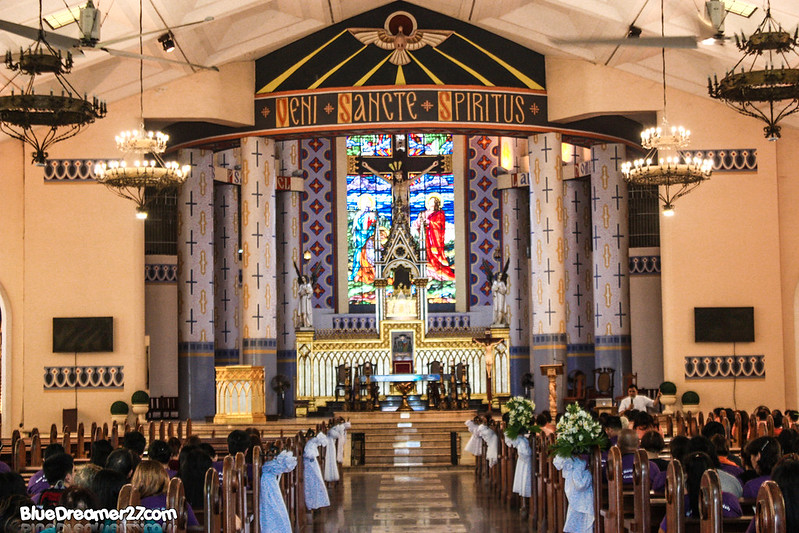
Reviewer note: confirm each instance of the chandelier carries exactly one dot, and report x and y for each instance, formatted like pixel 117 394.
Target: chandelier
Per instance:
pixel 674 173
pixel 764 92
pixel 142 179
pixel 40 120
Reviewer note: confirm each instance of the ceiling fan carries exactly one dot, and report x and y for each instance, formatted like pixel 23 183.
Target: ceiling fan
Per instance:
pixel 713 18
pixel 89 27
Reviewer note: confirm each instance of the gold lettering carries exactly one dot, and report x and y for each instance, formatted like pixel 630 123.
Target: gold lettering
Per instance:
pixel 477 102
pixel 399 96
pixel 389 114
pixel 507 109
pixel 374 105
pixel 306 107
pixel 519 103
pixel 411 99
pixel 294 103
pixel 360 111
pixel 459 97
pixel 496 98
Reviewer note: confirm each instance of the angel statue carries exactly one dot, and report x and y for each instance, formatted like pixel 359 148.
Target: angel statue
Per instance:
pixel 499 288
pixel 304 315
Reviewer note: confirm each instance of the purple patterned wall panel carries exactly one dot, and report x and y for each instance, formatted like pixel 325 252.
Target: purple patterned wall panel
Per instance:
pixel 316 161
pixel 484 213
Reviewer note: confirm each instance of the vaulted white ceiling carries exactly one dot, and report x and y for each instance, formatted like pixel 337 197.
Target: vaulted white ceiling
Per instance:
pixel 248 29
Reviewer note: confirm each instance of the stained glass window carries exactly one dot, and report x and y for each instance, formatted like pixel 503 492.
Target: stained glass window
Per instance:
pixel 432 216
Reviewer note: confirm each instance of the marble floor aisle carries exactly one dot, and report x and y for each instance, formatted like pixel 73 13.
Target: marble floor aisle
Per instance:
pixel 409 502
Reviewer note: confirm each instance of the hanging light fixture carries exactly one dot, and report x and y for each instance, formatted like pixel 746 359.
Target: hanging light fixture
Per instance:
pixel 141 179
pixel 664 166
pixel 762 90
pixel 40 120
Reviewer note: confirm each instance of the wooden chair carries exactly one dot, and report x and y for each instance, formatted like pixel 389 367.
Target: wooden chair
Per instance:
pixel 463 389
pixel 343 381
pixel 770 514
pixel 434 388
pixel 576 391
pixel 603 383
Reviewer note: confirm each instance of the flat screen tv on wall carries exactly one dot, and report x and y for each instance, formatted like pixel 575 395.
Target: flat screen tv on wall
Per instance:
pixel 724 324
pixel 85 334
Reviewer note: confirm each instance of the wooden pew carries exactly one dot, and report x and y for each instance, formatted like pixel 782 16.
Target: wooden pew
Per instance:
pixel 257 461
pixel 128 497
pixel 81 442
pixel 66 440
pixel 613 516
pixel 212 514
pixel 53 434
pixel 36 450
pixel 176 499
pixel 675 499
pixel 770 515
pixel 641 520
pixel 598 488
pixel 232 485
pixel 19 456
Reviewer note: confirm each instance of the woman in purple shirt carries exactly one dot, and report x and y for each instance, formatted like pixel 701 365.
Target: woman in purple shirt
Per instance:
pixel 152 480
pixel 766 452
pixel 696 463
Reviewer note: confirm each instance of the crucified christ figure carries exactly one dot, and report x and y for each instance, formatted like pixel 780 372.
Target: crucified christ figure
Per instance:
pixel 400 186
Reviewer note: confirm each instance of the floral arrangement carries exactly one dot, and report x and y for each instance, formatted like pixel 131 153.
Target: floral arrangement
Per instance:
pixel 577 433
pixel 521 417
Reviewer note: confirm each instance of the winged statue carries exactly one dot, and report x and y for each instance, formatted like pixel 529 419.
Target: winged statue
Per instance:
pixel 400 42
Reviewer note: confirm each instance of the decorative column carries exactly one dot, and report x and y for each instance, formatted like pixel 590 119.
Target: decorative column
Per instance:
pixel 548 251
pixel 195 287
pixel 226 274
pixel 259 296
pixel 611 284
pixel 580 296
pixel 516 238
pixel 290 186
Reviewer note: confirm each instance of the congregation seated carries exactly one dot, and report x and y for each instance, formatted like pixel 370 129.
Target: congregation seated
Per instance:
pixel 729 483
pixel 238 440
pixel 696 464
pixel 612 425
pixel 194 463
pixel 100 450
pixel 38 483
pixel 544 421
pixel 653 444
pixel 786 476
pixel 789 441
pixel 628 445
pixel 159 450
pixel 58 472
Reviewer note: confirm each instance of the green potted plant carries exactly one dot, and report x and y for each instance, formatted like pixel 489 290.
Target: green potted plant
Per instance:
pixel 119 412
pixel 140 404
pixel 690 401
pixel 668 396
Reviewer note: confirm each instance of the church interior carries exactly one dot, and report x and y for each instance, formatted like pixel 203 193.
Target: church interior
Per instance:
pixel 423 205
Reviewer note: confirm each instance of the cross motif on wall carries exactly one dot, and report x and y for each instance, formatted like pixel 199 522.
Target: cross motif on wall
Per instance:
pixel 579 294
pixel 549 271
pixel 546 149
pixel 619 275
pixel 577 263
pixel 618 197
pixel 258 234
pixel 595 197
pixel 548 230
pixel 225 301
pixel 596 276
pixel 191 242
pixel 191 321
pixel 597 315
pixel 225 331
pixel 621 314
pixel 257 316
pixel 257 153
pixel 224 237
pixel 549 312
pixel 547 189
pixel 618 236
pixel 577 232
pixel 224 163
pixel 224 205
pixel 191 203
pixel 191 281
pixel 595 238
pixel 616 157
pixel 579 326
pixel 257 194
pixel 257 275
pixel 594 160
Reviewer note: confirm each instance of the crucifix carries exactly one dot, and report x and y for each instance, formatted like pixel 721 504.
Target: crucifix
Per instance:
pixel 403 171
pixel 489 341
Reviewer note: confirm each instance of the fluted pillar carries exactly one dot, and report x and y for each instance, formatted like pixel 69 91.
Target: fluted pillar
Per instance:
pixel 548 251
pixel 611 286
pixel 195 287
pixel 259 296
pixel 580 295
pixel 515 238
pixel 290 187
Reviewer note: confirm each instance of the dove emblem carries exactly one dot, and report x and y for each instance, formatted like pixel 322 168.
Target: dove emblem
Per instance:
pixel 401 35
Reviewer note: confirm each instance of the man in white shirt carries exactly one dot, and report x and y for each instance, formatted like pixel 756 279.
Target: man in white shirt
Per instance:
pixel 639 403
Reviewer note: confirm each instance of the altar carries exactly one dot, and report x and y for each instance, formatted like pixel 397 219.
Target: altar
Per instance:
pixel 404 383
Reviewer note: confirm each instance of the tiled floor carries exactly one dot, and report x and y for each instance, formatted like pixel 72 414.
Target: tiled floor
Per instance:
pixel 410 502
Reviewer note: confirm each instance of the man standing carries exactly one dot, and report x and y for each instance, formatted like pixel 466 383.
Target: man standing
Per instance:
pixel 639 403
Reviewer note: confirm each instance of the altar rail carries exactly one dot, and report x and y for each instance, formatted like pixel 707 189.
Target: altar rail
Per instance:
pixel 317 361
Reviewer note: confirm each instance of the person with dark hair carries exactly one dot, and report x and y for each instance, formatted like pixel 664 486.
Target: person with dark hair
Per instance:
pixel 653 443
pixel 729 483
pixel 159 451
pixel 643 422
pixel 74 498
pixel 717 428
pixel 174 444
pixel 723 452
pixel 83 476
pixel 106 487
pixel 764 454
pixel 11 483
pixel 194 463
pixel 628 445
pixel 544 421
pixel 135 442
pixel 789 441
pixel 10 516
pixel 58 472
pixel 678 447
pixel 151 481
pixel 636 401
pixel 695 465
pixel 786 476
pixel 100 451
pixel 777 417
pixel 210 450
pixel 612 427
pixel 38 483
pixel 121 460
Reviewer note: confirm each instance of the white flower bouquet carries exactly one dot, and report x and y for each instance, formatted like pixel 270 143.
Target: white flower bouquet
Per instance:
pixel 577 433
pixel 521 417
